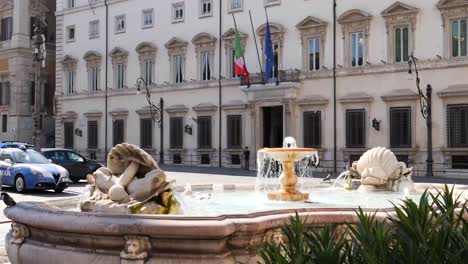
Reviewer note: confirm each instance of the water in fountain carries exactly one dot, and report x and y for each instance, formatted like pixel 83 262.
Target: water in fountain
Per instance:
pixel 338 181
pixel 268 172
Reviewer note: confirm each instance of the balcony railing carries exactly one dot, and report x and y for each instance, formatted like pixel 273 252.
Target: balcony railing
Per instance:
pixel 283 76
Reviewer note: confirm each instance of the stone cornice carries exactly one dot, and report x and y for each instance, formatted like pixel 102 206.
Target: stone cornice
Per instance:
pixel 360 97
pixel 400 95
pixel 312 100
pixel 180 108
pixel 234 105
pixel 460 90
pixel 91 114
pixel 205 107
pixel 119 112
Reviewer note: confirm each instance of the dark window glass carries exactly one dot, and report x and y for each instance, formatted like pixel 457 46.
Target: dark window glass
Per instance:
pixel 204 132
pixel 400 127
pixel 4 123
pixel 460 162
pixel 6 28
pixel 176 158
pixel 457 126
pixel 205 159
pixel 234 131
pixel 69 135
pixel 235 159
pixel 146 133
pixel 177 132
pixel 118 130
pixel 355 128
pixel 312 129
pixel 92 134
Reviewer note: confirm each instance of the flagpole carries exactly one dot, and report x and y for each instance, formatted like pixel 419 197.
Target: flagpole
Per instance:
pixel 243 58
pixel 256 47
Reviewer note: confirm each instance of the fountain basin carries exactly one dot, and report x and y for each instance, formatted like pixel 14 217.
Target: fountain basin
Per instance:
pixel 288 154
pixel 54 235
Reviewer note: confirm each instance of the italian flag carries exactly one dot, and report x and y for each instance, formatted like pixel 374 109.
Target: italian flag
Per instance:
pixel 239 64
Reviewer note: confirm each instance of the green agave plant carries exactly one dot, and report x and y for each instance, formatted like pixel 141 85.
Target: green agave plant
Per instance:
pixel 430 231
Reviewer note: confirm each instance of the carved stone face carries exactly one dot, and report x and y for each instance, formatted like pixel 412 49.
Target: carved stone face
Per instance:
pixel 133 246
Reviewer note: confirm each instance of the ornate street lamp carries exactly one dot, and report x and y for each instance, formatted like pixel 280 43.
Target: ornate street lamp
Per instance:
pixel 425 102
pixel 157 114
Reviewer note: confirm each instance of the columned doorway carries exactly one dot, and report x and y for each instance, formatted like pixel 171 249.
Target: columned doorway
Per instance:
pixel 272 126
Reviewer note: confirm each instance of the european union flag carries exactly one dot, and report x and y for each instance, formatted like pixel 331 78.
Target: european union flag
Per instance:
pixel 269 54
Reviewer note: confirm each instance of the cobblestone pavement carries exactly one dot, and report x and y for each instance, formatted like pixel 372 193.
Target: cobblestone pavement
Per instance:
pixel 182 175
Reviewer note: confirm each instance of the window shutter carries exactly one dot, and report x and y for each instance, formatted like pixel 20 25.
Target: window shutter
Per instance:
pixel 355 128
pixel 312 129
pixel 204 132
pixel 1 93
pixel 177 133
pixel 146 131
pixel 118 131
pixel 234 131
pixel 92 134
pixel 69 135
pixel 457 125
pixel 400 127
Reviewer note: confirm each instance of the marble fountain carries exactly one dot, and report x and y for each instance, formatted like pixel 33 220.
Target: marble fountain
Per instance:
pixel 129 213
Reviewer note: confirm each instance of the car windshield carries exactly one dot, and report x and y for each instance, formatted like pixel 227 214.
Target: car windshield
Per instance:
pixel 29 156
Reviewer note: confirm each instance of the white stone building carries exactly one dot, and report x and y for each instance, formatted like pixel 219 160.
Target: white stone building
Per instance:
pixel 180 45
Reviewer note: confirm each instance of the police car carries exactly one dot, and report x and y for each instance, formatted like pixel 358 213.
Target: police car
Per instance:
pixel 26 169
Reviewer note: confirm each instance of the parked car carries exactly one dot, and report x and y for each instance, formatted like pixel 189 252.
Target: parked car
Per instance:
pixel 78 166
pixel 26 169
pixel 14 144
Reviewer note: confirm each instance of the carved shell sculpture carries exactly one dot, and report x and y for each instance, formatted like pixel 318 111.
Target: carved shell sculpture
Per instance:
pixel 132 178
pixel 379 165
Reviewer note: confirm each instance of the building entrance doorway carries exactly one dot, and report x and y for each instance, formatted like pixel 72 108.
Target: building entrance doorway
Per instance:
pixel 272 127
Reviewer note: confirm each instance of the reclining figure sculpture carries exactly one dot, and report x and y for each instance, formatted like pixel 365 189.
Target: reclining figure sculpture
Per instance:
pixel 132 183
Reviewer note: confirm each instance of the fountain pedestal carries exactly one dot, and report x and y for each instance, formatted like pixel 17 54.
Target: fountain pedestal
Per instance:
pixel 288 179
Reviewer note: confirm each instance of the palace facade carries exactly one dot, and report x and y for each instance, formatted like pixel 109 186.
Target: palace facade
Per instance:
pixel 184 50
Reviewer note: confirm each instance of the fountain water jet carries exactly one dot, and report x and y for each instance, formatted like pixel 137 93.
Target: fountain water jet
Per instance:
pixel 288 155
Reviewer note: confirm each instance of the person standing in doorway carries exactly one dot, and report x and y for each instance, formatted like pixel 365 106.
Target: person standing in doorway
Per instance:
pixel 246 158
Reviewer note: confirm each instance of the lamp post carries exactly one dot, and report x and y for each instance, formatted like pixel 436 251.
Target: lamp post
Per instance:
pixel 157 114
pixel 425 102
pixel 39 58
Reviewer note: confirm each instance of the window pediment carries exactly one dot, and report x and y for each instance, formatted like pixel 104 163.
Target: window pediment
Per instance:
pixel 445 4
pixel 176 45
pixel 145 47
pixel 399 9
pixel 203 39
pixel 6 5
pixel 69 62
pixel 208 107
pixel 311 22
pixel 118 52
pixel 353 15
pixel 458 90
pixel 229 38
pixel 92 58
pixel 275 29
pixel 69 115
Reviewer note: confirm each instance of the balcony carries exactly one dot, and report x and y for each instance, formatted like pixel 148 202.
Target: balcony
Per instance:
pixel 284 76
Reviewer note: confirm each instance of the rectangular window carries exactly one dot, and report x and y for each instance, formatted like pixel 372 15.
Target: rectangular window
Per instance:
pixel 235 5
pixel 401 44
pixel 120 76
pixel 234 131
pixel 69 134
pixel 178 69
pixel 314 54
pixel 6 28
pixel 5 93
pixel 146 133
pixel 206 8
pixel 71 3
pixel 118 131
pixel 94 79
pixel 71 33
pixel 178 10
pixel 400 127
pixel 177 132
pixel 149 64
pixel 312 129
pixel 148 18
pixel 94 29
pixel 204 132
pixel 93 134
pixel 205 66
pixel 355 128
pixel 70 82
pixel 4 123
pixel 459 38
pixel 275 69
pixel 457 125
pixel 120 24
pixel 357 53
